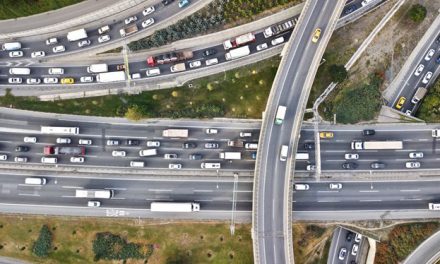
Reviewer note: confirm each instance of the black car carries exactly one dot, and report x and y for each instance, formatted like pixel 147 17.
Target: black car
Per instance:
pixel 209 52
pixel 377 165
pixel 133 142
pixel 438 40
pixel 349 9
pixel 368 132
pixel 21 148
pixel 189 145
pixel 195 157
pixel 349 236
pixel 309 146
pixel 167 2
pixel 349 165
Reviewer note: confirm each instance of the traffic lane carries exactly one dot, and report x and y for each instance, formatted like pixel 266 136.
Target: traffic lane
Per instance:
pixel 337 238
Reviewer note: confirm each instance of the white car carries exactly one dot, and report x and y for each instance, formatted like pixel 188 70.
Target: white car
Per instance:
pixel 136 76
pixel 174 166
pixel 33 81
pixel 38 54
pixel 148 22
pixel 16 54
pixel 77 159
pixel 335 186
pixel 148 10
pixel 277 41
pixel 211 61
pixel 93 203
pixel 419 70
pixel 58 49
pixel 412 165
pixel 245 134
pixel 170 156
pixel 366 2
pixel 63 141
pixel 103 38
pixel 262 47
pixel 5 157
pixel 408 112
pixel 342 253
pixel 50 80
pixel 153 144
pixel 195 64
pixel 112 142
pixel 30 139
pixel 51 41
pixel 311 167
pixel 20 159
pixel 429 55
pixel 427 77
pixel 355 249
pixel 416 155
pixel 84 43
pixel 86 79
pixel 350 156
pixel 15 80
pixel 211 131
pixel 118 153
pixel 358 238
pixel 85 142
pixel 131 19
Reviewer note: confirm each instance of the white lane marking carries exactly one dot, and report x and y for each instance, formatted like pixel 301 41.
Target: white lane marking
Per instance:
pixel 118 198
pixel 410 190
pixel 328 191
pixel 203 200
pixel 203 190
pixel 159 190
pixel 369 191
pixel 68 196
pixel 72 187
pixel 117 189
pixel 410 199
pixel 327 201
pixel 370 200
pixel 28 194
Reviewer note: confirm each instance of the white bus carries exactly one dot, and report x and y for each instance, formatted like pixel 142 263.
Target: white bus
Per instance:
pixel 60 130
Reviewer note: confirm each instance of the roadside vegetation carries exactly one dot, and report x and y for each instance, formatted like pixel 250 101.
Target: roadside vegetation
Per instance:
pixel 430 107
pixel 311 243
pixel 20 8
pixel 417 13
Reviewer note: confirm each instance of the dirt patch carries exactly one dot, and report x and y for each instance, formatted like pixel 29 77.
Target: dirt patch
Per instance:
pixel 310 241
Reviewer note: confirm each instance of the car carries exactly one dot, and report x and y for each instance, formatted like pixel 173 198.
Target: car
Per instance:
pixel 68 80
pixel 174 166
pixel 30 139
pixel 167 2
pixel 349 165
pixel 438 59
pixel 93 204
pixel 38 54
pixel 209 52
pixel 21 159
pixel 349 236
pixel 195 64
pixel 342 253
pixel 368 132
pixel 437 40
pixel 262 46
pixel 82 141
pixel 51 41
pixel 429 54
pixel 211 145
pixel 412 165
pixel 16 54
pixel 136 76
pixel 133 142
pixel 245 134
pixel 326 134
pixel 170 156
pixel 50 80
pixel 211 62
pixel 419 70
pixel 84 43
pixel 211 131
pixel 316 35
pixel 149 10
pixel 377 165
pixel 58 49
pixel 416 155
pixel 112 142
pixel 427 77
pixel 366 2
pixel 86 79
pixel 153 143
pixel 129 20
pixel 120 67
pixel 15 80
pixel 301 186
pixel 104 29
pixel 22 148
pixel 3 157
pixel 351 156
pixel 358 238
pixel 311 167
pixel 355 249
pixel 103 38
pixel 63 140
pixel 335 186
pixel 408 112
pixel 148 22
pixel 189 145
pixel 183 3
pixel 195 157
pixel 400 103
pixel 254 155
pixel 277 41
pixel 349 9
pixel 309 146
pixel 118 153
pixel 33 81
pixel 77 159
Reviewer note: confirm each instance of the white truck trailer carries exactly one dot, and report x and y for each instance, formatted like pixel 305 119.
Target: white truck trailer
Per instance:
pixel 376 145
pixel 238 53
pixel 174 207
pixel 102 194
pixel 175 133
pixel 106 77
pixel 97 68
pixel 77 34
pixel 230 155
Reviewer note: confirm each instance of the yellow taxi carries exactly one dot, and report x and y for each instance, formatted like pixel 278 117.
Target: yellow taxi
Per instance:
pixel 67 81
pixel 400 102
pixel 316 35
pixel 326 134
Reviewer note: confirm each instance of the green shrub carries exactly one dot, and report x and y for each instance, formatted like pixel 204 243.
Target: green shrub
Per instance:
pixel 338 73
pixel 417 13
pixel 113 247
pixel 43 244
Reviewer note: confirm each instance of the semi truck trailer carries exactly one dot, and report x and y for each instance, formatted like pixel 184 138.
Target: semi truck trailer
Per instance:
pixel 176 133
pixel 376 145
pixel 238 53
pixel 55 150
pixel 174 207
pixel 230 155
pixel 239 41
pixel 103 194
pixel 105 77
pixel 280 28
pixel 170 57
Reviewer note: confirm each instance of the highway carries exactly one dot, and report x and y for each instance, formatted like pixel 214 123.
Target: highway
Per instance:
pixel 428 252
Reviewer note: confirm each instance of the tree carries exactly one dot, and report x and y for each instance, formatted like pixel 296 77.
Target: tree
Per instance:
pixel 338 73
pixel 133 113
pixel 417 13
pixel 44 242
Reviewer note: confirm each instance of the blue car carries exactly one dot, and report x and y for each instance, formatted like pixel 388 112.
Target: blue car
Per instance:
pixel 183 3
pixel 438 59
pixel 254 155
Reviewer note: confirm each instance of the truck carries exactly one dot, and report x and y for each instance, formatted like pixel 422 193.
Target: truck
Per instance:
pixel 376 145
pixel 170 57
pixel 436 133
pixel 235 143
pixel 174 207
pixel 97 68
pixel 106 77
pixel 230 155
pixel 77 34
pixel 178 67
pixel 238 53
pixel 128 30
pixel 280 28
pixel 103 194
pixel 55 150
pixel 418 96
pixel 11 46
pixel 281 112
pixel 175 133
pixel 59 130
pixel 239 41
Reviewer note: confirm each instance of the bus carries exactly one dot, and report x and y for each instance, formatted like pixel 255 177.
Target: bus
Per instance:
pixel 60 130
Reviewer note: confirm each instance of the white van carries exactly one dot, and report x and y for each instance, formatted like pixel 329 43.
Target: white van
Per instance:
pixel 139 164
pixel 56 71
pixel 35 181
pixel 11 46
pixel 19 71
pixel 153 72
pixel 211 61
pixel 147 152
pixel 251 145
pixel 49 160
pixel 284 152
pixel 210 165
pixel 301 187
pixel 434 206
